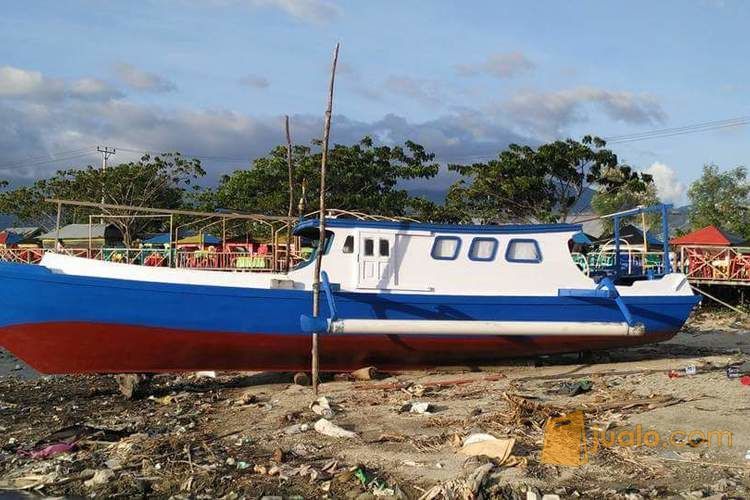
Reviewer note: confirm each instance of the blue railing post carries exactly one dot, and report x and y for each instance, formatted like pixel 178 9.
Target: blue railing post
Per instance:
pixel 617 245
pixel 665 235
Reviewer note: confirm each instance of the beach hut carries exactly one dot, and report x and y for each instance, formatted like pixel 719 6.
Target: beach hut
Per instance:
pixel 709 236
pixel 77 236
pixel 15 237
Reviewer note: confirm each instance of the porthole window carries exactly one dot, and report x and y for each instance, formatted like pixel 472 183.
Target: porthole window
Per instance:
pixel 523 250
pixel 483 249
pixel 446 247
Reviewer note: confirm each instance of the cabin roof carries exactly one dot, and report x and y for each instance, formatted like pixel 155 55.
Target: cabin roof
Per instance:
pixel 439 228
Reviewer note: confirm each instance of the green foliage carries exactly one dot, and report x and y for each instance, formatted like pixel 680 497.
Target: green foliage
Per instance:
pixel 721 199
pixel 361 177
pixel 535 185
pixel 629 194
pixel 159 182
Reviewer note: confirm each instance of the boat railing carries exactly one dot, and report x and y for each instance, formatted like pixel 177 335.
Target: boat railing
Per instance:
pixel 633 260
pixel 224 261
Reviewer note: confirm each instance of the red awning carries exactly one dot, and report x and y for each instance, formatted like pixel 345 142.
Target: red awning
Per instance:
pixel 710 235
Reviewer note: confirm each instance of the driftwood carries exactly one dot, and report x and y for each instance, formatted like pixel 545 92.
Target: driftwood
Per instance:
pixel 366 373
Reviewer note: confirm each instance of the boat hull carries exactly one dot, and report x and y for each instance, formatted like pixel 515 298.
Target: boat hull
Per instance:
pixel 72 324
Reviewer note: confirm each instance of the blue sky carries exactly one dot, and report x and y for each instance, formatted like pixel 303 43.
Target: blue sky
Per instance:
pixel 214 77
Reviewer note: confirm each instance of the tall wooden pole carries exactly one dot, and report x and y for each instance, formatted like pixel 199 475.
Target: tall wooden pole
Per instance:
pixel 322 218
pixel 291 194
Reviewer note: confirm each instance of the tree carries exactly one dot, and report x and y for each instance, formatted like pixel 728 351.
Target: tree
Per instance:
pixel 721 199
pixel 535 185
pixel 160 182
pixel 630 194
pixel 363 177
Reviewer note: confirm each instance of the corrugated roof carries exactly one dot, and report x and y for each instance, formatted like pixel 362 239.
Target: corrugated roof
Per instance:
pixel 77 232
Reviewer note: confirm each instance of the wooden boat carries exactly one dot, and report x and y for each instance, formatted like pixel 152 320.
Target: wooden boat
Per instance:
pixel 397 295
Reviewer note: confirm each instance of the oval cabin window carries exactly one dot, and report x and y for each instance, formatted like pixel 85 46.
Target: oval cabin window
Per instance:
pixel 446 247
pixel 483 249
pixel 522 250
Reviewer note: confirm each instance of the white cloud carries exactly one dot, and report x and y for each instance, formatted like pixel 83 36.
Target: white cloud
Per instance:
pixel 670 188
pixel 33 126
pixel 499 65
pixel 255 81
pixel 17 83
pixel 548 113
pixel 424 91
pixel 141 80
pixel 316 11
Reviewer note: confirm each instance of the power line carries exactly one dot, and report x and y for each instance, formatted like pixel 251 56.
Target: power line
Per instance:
pixel 47 157
pixel 674 131
pixel 39 163
pixel 198 157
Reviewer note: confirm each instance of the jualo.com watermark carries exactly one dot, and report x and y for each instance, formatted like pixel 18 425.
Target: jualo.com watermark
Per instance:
pixel 567 442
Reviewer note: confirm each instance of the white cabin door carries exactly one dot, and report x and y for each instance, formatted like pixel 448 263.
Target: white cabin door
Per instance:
pixel 375 260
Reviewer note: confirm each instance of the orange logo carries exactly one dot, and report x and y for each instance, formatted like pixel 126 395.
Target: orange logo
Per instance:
pixel 565 440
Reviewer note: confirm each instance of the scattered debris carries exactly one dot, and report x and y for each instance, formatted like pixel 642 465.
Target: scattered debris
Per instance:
pixel 489 446
pixel 49 451
pixel 366 373
pixel 322 407
pixel 417 407
pixel 100 477
pixel 327 428
pixel 302 378
pixel 574 388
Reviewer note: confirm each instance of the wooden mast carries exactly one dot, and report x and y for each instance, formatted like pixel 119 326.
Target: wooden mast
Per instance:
pixel 322 218
pixel 291 194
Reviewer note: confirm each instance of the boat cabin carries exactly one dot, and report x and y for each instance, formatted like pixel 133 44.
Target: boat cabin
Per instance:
pixel 398 256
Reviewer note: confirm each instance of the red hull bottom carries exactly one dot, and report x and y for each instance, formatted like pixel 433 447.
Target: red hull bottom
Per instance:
pixel 73 347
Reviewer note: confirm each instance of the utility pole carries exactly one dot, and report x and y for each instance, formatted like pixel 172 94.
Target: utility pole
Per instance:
pixel 106 152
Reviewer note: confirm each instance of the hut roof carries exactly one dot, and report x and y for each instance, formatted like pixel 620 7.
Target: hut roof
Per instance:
pixel 81 232
pixel 709 235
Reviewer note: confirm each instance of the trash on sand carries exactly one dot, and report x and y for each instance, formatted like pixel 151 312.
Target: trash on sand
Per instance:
pixel 733 372
pixel 296 429
pixel 28 482
pixel 747 455
pixel 206 374
pixel 420 408
pixel 102 476
pixel 745 380
pixel 366 373
pixel 328 428
pixel 574 388
pixel 242 465
pixel 322 407
pixel 49 451
pixel 691 370
pixel 460 488
pixel 489 446
pixel 302 378
pixel 164 400
pixel 673 374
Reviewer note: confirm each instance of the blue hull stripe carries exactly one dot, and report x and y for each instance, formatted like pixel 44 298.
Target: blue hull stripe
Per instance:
pixel 35 295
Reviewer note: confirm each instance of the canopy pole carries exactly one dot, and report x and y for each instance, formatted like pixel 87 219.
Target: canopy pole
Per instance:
pixel 322 219
pixel 665 236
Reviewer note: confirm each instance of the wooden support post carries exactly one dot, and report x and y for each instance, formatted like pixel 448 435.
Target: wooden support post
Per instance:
pixel 291 194
pixel 322 218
